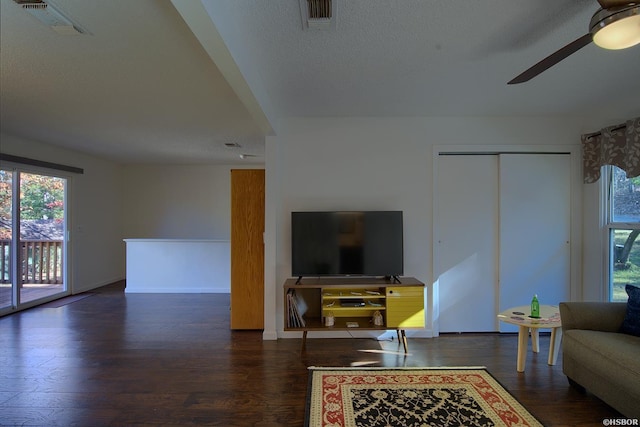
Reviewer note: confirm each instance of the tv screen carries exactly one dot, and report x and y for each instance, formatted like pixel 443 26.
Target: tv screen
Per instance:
pixel 366 243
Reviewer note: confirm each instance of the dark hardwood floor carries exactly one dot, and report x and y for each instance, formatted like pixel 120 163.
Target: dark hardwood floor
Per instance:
pixel 115 359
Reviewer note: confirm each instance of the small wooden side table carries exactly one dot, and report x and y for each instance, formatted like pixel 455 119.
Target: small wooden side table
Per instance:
pixel 549 319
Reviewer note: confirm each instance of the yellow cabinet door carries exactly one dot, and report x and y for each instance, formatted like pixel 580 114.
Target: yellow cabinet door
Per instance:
pixel 405 307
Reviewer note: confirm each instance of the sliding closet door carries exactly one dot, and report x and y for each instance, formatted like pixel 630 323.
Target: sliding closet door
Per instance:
pixel 467 232
pixel 502 225
pixel 534 229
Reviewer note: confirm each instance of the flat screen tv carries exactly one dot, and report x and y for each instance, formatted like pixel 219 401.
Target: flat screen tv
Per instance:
pixel 362 243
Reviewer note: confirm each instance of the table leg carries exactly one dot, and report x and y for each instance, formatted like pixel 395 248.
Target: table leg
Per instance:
pixel 554 345
pixel 535 339
pixel 523 339
pixel 304 340
pixel 404 340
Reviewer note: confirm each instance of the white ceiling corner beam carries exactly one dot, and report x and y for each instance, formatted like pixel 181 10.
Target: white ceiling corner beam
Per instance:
pixel 197 19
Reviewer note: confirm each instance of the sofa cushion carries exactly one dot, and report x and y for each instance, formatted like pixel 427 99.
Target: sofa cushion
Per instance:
pixel 606 364
pixel 631 323
pixel 612 352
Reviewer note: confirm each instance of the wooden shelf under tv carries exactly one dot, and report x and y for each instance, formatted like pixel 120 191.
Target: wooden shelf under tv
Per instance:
pixel 401 304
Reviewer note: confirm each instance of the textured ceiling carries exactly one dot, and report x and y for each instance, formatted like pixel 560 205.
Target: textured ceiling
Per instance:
pixel 139 88
pixel 417 57
pixel 160 81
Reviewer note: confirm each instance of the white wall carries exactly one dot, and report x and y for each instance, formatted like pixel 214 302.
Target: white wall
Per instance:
pixel 187 266
pixel 182 202
pixel 371 163
pixel 97 250
pixel 177 201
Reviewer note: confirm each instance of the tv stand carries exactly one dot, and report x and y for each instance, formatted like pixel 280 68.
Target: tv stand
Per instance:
pixel 393 279
pixel 309 302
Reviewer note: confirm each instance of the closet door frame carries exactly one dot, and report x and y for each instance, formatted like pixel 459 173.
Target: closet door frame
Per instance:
pixel 575 290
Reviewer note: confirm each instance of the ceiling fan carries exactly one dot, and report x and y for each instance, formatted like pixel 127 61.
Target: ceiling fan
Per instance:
pixel 616 25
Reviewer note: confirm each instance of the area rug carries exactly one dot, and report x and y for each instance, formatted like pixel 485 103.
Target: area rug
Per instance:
pixel 371 397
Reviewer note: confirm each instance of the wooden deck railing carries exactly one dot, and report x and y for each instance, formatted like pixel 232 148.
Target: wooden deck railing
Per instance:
pixel 41 261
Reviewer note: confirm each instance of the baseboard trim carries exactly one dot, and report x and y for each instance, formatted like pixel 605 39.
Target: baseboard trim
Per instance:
pixel 78 290
pixel 162 290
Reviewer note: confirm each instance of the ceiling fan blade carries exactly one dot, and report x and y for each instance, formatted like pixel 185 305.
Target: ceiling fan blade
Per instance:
pixel 553 59
pixel 606 4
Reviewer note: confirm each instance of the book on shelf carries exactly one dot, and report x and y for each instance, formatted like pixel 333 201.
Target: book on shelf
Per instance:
pixel 296 308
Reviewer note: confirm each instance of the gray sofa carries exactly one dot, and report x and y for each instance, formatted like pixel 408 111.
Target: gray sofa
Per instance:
pixel 596 356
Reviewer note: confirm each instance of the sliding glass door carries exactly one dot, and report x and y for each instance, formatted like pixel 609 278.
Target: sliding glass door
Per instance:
pixel 32 243
pixel 6 235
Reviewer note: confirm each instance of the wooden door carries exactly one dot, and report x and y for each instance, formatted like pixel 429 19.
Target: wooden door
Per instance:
pixel 247 249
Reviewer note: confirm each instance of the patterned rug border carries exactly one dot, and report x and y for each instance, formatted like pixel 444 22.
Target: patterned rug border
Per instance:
pixel 401 368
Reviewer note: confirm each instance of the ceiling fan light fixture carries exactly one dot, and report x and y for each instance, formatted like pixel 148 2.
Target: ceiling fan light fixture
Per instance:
pixel 616 27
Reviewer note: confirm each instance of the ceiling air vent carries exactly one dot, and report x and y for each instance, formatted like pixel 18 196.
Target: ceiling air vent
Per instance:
pixel 50 16
pixel 318 14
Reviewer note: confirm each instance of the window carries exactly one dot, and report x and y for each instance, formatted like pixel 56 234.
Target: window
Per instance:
pixel 623 225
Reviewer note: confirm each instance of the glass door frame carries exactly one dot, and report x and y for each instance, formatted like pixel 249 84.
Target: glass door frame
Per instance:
pixel 16 260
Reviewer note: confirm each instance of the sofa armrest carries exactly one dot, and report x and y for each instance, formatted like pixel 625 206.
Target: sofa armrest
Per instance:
pixel 595 316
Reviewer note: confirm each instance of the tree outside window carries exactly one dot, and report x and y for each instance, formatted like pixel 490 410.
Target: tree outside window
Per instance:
pixel 624 226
